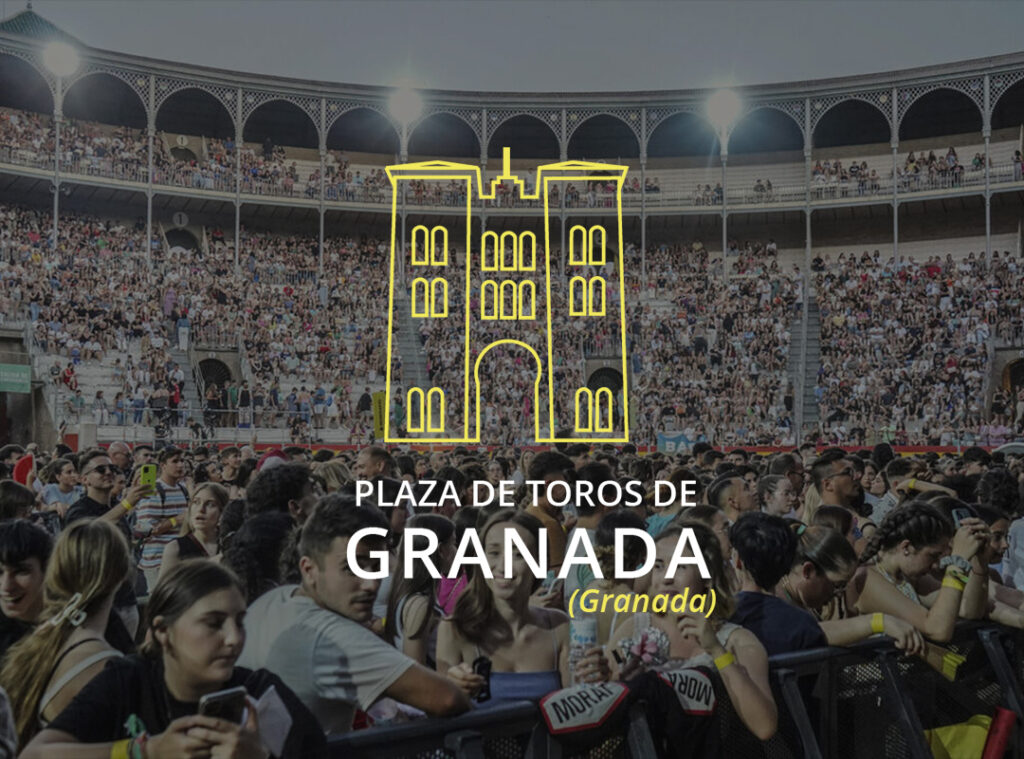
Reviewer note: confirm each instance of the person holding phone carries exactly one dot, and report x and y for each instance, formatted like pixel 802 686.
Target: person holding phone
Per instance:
pixel 195 635
pixel 527 645
pixel 98 474
pixel 912 539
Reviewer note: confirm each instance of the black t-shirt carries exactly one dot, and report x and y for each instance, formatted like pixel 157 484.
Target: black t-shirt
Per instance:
pixel 11 631
pixel 86 508
pixel 781 627
pixel 135 686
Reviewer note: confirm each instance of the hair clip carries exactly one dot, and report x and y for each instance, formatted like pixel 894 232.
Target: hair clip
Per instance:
pixel 69 612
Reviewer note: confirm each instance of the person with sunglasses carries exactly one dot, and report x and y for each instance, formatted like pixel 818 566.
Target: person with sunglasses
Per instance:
pixel 823 566
pixel 764 548
pixel 98 474
pixel 835 480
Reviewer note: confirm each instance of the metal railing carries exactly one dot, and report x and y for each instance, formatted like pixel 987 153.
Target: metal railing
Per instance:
pixel 860 702
pixel 213 177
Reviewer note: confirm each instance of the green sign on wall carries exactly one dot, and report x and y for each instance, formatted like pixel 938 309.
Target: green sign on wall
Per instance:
pixel 15 378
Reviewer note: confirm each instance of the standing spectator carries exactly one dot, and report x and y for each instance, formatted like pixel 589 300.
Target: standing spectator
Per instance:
pixel 98 474
pixel 158 516
pixel 200 529
pixel 184 326
pixel 244 405
pixel 60 495
pixel 314 636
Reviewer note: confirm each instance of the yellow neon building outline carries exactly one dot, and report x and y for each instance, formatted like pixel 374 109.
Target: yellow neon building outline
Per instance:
pixel 547 174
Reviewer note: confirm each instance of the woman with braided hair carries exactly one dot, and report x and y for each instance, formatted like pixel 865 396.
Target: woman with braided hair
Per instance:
pixel 908 543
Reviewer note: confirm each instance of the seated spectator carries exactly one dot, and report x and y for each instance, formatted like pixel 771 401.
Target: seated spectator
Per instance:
pixel 675 642
pixel 200 528
pixel 528 645
pixel 90 561
pixel 313 634
pixel 908 543
pixel 24 552
pixel 194 636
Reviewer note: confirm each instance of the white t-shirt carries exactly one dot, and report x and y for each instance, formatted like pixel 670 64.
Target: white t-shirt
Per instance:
pixel 334 665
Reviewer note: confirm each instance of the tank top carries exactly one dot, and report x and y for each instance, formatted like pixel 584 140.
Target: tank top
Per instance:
pixel 189 547
pixel 903 587
pixel 400 630
pixel 524 686
pixel 71 674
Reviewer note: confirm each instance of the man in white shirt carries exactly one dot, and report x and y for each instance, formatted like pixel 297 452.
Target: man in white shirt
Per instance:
pixel 313 636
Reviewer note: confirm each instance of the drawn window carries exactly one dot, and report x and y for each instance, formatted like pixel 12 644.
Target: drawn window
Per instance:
pixel 586 296
pixel 527 300
pixel 429 246
pixel 425 414
pixel 429 298
pixel 489 300
pixel 587 247
pixel 489 251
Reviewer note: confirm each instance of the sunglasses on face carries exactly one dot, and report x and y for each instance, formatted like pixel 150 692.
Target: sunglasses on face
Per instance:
pixel 103 469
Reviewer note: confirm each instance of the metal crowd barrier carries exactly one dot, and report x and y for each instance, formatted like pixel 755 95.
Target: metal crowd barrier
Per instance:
pixel 861 702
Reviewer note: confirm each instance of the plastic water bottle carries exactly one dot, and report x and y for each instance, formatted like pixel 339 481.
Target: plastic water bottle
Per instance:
pixel 582 638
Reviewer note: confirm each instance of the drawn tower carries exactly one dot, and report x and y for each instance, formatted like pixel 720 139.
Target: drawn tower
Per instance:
pixel 509 285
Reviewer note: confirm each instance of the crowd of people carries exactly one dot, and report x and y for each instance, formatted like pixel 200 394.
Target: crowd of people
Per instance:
pixel 904 348
pixel 122 153
pixel 707 359
pixel 245 564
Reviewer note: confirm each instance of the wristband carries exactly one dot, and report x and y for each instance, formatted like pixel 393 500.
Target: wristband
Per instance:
pixel 725 660
pixel 174 522
pixel 127 505
pixel 137 749
pixel 949 581
pixel 957 574
pixel 119 750
pixel 910 485
pixel 877 622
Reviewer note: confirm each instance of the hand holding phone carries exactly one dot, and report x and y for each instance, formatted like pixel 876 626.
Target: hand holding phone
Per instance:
pixel 147 474
pixel 482 667
pixel 230 705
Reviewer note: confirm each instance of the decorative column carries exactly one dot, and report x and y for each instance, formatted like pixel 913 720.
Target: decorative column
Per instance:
pixel 150 132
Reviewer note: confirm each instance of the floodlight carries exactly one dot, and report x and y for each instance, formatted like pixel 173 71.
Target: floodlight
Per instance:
pixel 60 58
pixel 405 105
pixel 723 108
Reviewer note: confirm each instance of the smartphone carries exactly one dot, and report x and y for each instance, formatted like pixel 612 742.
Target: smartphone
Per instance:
pixel 959 515
pixel 482 667
pixel 230 705
pixel 147 474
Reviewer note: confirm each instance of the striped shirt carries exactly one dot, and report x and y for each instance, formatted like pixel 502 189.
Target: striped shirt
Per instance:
pixel 152 510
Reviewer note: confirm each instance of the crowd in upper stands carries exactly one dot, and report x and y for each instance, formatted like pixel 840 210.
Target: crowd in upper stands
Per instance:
pixel 904 350
pixel 246 561
pixel 905 346
pixel 267 169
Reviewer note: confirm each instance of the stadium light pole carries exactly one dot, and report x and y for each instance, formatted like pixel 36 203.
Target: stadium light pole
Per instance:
pixel 62 60
pixel 723 108
pixel 405 105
